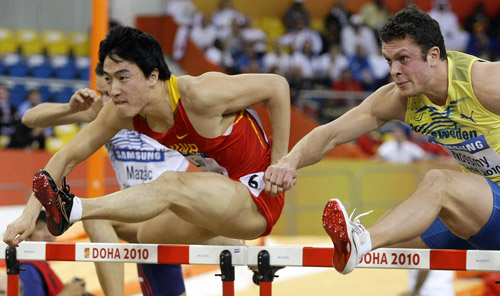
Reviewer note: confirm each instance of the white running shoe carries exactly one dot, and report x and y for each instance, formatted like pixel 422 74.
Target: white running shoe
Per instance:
pixel 350 239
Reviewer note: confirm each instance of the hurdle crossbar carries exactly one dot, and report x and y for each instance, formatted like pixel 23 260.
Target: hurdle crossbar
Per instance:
pixel 473 260
pixel 263 257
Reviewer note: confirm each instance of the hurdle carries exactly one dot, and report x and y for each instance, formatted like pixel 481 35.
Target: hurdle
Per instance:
pixel 263 257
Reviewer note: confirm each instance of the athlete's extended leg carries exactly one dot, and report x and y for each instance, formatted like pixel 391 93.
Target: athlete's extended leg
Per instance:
pixel 463 201
pixel 217 204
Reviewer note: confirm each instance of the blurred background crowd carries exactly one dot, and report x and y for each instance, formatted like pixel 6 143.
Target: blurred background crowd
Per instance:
pixel 332 63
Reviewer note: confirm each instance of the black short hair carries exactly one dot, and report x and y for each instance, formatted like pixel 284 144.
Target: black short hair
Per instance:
pixel 99 69
pixel 414 23
pixel 135 46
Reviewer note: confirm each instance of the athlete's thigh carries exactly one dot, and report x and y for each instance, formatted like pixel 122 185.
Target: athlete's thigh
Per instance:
pixel 126 231
pixel 219 204
pixel 470 204
pixel 168 228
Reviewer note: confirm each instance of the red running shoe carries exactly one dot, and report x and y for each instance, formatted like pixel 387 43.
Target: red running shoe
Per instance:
pixel 57 202
pixel 347 236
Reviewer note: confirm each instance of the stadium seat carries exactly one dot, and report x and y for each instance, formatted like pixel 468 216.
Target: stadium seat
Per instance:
pixel 63 95
pixel 45 92
pixel 55 43
pixel 79 43
pixel 8 41
pixel 39 66
pixel 29 42
pixel 83 67
pixel 17 95
pixel 64 67
pixel 14 65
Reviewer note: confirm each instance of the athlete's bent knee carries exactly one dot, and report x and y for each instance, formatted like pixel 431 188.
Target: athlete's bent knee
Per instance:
pixel 435 183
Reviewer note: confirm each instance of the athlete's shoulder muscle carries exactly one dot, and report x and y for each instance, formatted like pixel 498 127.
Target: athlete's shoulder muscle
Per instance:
pixel 485 78
pixel 386 103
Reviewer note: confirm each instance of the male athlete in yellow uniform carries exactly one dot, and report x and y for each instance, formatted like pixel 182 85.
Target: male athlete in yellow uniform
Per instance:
pixel 451 97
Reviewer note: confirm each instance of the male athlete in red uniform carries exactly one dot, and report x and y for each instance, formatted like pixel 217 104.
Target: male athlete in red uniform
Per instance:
pixel 202 117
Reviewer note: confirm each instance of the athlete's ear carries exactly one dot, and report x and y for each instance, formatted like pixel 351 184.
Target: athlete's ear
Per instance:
pixel 153 77
pixel 433 55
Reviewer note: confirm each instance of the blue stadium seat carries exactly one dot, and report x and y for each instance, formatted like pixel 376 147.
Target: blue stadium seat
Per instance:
pixel 19 70
pixel 64 95
pixel 84 73
pixel 42 71
pixel 46 94
pixel 17 95
pixel 64 67
pixel 83 67
pixel 39 66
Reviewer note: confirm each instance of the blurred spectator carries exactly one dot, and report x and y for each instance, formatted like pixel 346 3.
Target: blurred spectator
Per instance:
pixel 294 13
pixel 454 37
pixel 329 66
pixel 255 36
pixel 302 60
pixel 380 70
pixel 221 55
pixel 204 34
pixel 38 278
pixel 7 112
pixel 338 14
pixel 358 34
pixel 224 18
pixel 277 59
pixel 33 98
pixel 374 14
pixel 361 69
pixel 400 149
pixel 248 61
pixel 480 44
pixel 347 82
pixel 302 34
pixel 477 16
pixel 369 143
pixel 182 11
pixel 23 136
pixel 331 35
pixel 334 108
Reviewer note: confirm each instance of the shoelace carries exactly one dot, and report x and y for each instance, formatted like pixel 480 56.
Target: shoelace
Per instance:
pixel 356 219
pixel 65 186
pixel 65 189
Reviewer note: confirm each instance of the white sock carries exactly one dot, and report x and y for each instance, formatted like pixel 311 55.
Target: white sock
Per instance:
pixel 366 244
pixel 76 210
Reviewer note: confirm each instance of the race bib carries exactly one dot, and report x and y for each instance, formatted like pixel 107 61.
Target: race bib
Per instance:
pixel 254 182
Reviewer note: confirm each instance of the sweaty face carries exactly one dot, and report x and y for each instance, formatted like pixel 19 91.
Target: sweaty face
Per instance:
pixel 126 85
pixel 411 73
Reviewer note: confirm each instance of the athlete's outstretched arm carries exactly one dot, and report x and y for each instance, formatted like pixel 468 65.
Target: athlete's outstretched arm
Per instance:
pixel 83 106
pixel 383 105
pixel 84 144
